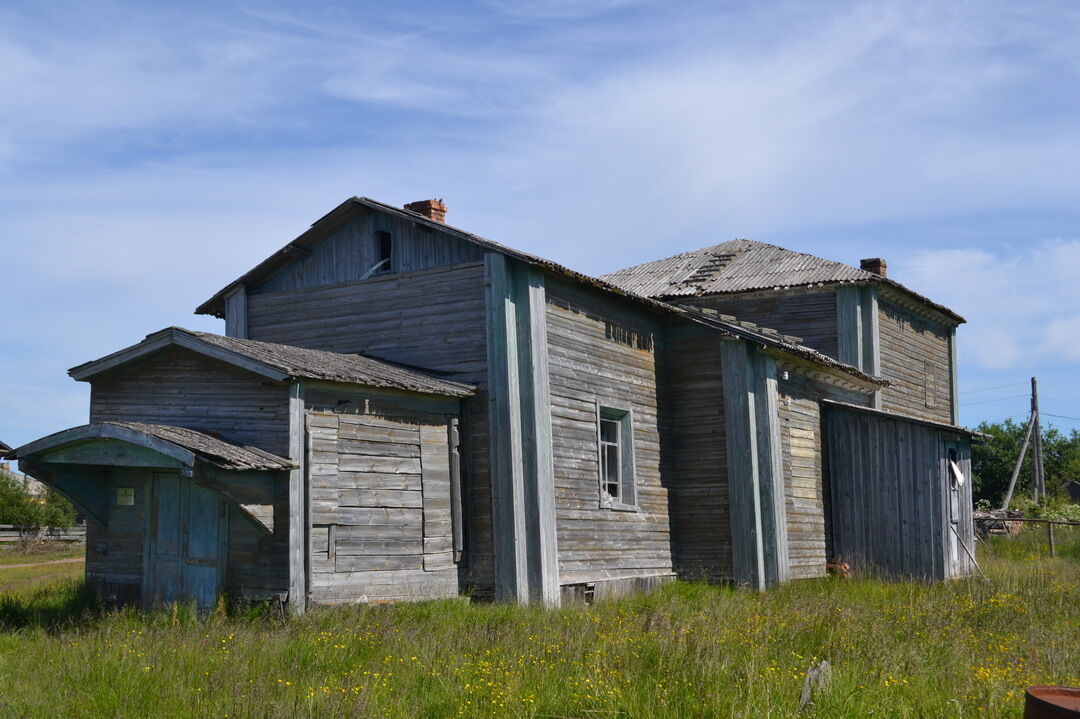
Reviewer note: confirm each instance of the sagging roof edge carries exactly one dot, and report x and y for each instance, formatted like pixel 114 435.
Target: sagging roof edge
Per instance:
pixel 182 444
pixel 331 220
pixel 979 436
pixel 889 284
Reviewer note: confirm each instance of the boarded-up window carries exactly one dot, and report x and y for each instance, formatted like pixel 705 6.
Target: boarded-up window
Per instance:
pixel 931 384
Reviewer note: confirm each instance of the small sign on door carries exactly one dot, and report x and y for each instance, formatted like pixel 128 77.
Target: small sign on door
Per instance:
pixel 125 496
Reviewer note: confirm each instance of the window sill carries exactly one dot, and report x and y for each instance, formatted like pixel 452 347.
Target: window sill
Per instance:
pixel 619 506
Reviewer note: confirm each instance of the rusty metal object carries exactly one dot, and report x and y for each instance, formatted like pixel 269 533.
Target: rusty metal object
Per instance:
pixel 1043 702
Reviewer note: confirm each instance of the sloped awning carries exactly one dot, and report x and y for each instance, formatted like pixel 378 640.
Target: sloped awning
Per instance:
pixel 63 461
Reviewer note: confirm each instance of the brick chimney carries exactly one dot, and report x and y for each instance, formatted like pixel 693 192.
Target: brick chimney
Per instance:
pixel 431 209
pixel 875 265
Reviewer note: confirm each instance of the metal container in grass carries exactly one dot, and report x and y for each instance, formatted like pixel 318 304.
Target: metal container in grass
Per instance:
pixel 1044 702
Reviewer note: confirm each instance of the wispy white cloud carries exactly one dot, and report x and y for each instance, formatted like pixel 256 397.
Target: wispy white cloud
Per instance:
pixel 1022 303
pixel 180 147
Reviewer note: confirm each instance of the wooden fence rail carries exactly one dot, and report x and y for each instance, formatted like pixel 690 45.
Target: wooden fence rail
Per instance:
pixel 1048 522
pixel 13 533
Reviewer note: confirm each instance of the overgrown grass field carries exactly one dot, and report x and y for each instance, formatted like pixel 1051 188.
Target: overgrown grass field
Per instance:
pixel 960 649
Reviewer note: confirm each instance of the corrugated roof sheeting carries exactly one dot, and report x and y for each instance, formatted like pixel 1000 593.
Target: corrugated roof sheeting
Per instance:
pixel 735 266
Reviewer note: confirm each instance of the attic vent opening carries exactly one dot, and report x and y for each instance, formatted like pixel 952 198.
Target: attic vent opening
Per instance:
pixel 384 252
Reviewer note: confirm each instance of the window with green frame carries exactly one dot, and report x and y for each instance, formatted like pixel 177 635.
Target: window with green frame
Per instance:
pixel 615 447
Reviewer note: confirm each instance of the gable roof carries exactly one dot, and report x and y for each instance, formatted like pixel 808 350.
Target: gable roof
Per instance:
pixel 328 223
pixel 280 362
pixel 745 266
pixel 4 450
pixel 180 443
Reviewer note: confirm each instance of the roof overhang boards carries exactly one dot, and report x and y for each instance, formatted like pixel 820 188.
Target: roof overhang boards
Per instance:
pixel 832 376
pixel 178 338
pixel 71 462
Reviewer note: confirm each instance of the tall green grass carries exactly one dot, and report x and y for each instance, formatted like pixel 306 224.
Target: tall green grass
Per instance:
pixel 906 649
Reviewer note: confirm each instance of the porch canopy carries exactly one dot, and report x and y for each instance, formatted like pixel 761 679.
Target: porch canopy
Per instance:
pixel 73 463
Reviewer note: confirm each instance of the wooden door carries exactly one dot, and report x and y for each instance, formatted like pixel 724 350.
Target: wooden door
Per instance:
pixel 186 543
pixel 952 504
pixel 162 575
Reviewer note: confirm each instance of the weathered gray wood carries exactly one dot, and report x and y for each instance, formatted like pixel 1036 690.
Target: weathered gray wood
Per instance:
pixel 183 388
pixel 64 447
pixel 457 517
pixel 808 314
pixel 380 523
pixel 696 448
pixel 236 313
pixel 870 335
pixel 507 469
pixel 351 250
pixel 747 551
pixel 954 385
pixel 849 325
pixel 604 352
pixel 522 470
pixel 770 466
pixel 537 436
pixel 298 508
pixel 890 486
pixel 916 360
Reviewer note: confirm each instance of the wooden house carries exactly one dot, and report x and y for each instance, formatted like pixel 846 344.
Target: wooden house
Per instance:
pixel 401 410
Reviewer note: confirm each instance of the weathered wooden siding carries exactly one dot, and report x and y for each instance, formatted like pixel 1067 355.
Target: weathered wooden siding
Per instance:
pixel 809 315
pixel 889 495
pixel 380 507
pixel 434 319
pixel 183 388
pixel 695 451
pixel 915 358
pixel 602 353
pixel 352 250
pixel 114 553
pixel 258 561
pixel 800 428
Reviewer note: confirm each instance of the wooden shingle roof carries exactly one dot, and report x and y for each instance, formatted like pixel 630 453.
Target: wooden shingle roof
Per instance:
pixel 180 443
pixel 281 362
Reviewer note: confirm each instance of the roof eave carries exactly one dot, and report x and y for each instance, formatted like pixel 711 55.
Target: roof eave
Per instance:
pixel 173 337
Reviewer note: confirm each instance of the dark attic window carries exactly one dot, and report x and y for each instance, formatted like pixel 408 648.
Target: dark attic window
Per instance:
pixel 384 247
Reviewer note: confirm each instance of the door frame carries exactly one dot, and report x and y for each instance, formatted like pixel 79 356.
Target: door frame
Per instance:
pixel 149 498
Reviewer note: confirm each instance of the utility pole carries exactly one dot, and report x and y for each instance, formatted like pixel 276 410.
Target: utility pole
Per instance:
pixel 1019 462
pixel 1038 479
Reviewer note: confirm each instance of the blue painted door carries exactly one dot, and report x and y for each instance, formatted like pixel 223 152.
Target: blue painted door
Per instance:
pixel 186 543
pixel 163 573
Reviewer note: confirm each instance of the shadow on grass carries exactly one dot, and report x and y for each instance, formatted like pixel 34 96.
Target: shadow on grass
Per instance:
pixel 67 605
pixel 48 607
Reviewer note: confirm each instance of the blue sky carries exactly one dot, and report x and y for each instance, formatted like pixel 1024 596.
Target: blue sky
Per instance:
pixel 150 153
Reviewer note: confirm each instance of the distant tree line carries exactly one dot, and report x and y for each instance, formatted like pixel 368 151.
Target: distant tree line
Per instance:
pixel 993 461
pixel 19 507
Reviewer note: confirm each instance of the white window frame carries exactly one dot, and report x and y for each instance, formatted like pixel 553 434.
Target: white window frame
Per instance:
pixel 627 481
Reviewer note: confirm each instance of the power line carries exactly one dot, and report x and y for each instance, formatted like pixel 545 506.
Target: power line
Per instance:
pixel 987 401
pixel 988 389
pixel 1059 416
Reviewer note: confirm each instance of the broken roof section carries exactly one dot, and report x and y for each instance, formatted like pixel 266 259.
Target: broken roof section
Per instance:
pixel 746 266
pixel 281 362
pixel 328 223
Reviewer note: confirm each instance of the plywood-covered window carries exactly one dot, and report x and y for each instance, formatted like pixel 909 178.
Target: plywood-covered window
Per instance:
pixel 615 447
